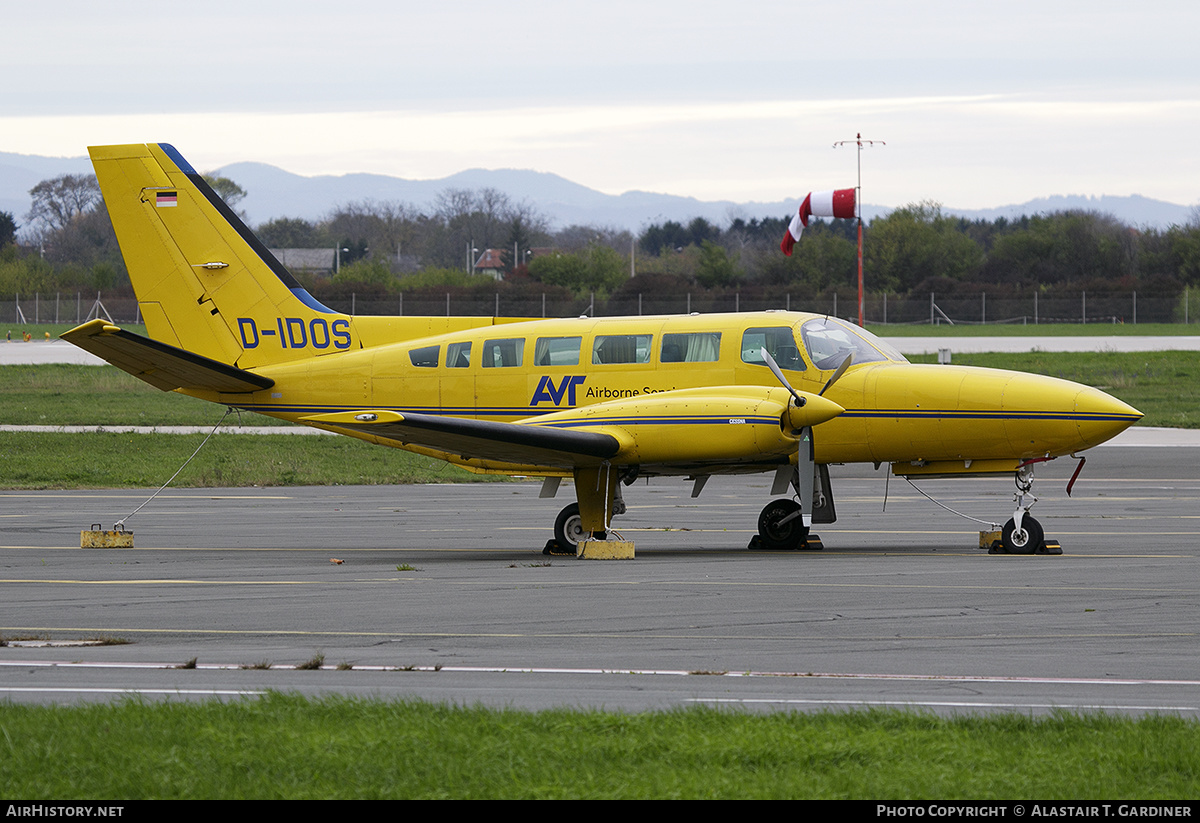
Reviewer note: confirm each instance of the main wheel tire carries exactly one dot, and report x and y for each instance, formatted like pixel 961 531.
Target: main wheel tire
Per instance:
pixel 1026 541
pixel 568 528
pixel 781 537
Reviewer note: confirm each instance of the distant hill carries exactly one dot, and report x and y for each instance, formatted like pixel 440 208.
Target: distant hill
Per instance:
pixel 273 192
pixel 1133 210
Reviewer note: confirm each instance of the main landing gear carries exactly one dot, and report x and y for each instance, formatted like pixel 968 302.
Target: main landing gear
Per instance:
pixel 569 531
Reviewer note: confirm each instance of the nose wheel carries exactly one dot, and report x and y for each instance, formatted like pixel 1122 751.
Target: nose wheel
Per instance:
pixel 1022 534
pixel 1023 539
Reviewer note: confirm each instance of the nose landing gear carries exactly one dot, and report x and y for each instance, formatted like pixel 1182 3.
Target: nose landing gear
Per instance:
pixel 1022 534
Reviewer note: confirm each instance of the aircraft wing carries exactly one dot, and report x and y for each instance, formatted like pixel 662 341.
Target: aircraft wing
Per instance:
pixel 730 426
pixel 162 366
pixel 514 443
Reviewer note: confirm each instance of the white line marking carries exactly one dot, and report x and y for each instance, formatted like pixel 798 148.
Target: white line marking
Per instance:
pixel 939 678
pixel 947 704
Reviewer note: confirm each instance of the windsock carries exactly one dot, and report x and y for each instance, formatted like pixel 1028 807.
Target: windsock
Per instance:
pixel 839 203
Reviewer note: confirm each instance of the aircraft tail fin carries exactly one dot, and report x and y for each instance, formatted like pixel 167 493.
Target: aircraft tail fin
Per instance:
pixel 204 282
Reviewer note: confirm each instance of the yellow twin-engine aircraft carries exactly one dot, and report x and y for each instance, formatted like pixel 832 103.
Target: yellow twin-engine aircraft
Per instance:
pixel 600 400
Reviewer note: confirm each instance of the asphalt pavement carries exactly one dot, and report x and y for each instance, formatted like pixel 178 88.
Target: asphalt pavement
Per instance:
pixel 443 593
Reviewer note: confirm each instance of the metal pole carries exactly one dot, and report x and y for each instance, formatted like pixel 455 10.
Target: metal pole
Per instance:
pixel 859 142
pixel 860 274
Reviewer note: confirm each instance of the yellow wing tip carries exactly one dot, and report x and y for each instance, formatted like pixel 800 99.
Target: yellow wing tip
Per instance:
pixel 90 329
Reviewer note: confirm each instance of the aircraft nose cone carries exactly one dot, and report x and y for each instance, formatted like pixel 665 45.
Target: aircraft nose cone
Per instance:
pixel 1102 416
pixel 816 409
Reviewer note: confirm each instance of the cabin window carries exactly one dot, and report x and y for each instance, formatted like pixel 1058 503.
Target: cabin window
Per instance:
pixel 458 355
pixel 503 353
pixel 699 347
pixel 829 341
pixel 621 348
pixel 426 357
pixel 557 351
pixel 779 343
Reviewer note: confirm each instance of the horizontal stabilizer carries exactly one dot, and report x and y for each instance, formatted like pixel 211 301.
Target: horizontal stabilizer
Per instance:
pixel 162 366
pixel 482 439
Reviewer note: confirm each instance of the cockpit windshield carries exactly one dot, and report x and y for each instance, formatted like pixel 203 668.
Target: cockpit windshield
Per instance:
pixel 829 340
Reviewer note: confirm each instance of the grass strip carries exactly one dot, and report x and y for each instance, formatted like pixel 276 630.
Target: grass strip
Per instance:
pixel 288 746
pixel 1038 330
pixel 58 394
pixel 110 460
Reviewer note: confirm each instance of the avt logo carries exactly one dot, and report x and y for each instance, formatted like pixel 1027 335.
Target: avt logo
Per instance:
pixel 547 392
pixel 294 333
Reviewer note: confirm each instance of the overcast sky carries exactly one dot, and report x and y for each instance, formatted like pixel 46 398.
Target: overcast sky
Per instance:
pixel 979 105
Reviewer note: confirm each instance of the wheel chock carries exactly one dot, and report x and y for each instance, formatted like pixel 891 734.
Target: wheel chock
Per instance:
pixel 1049 546
pixel 98 538
pixel 605 550
pixel 554 550
pixel 811 544
pixel 989 539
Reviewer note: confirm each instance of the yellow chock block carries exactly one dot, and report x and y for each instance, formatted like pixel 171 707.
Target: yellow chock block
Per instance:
pixel 605 550
pixel 987 539
pixel 98 538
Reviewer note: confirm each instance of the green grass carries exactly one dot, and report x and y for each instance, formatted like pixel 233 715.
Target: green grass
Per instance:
pixel 286 746
pixel 1041 330
pixel 108 460
pixel 64 395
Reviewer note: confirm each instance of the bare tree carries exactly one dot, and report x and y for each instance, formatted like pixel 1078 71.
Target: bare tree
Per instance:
pixel 386 230
pixel 229 191
pixel 58 201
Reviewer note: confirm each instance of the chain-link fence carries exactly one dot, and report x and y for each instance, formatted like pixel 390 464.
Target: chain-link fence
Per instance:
pixel 1083 307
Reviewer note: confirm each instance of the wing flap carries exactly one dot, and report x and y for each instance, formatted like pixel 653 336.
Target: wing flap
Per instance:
pixel 162 366
pixel 515 443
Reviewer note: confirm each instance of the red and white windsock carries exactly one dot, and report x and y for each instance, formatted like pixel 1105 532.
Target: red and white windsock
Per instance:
pixel 839 203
